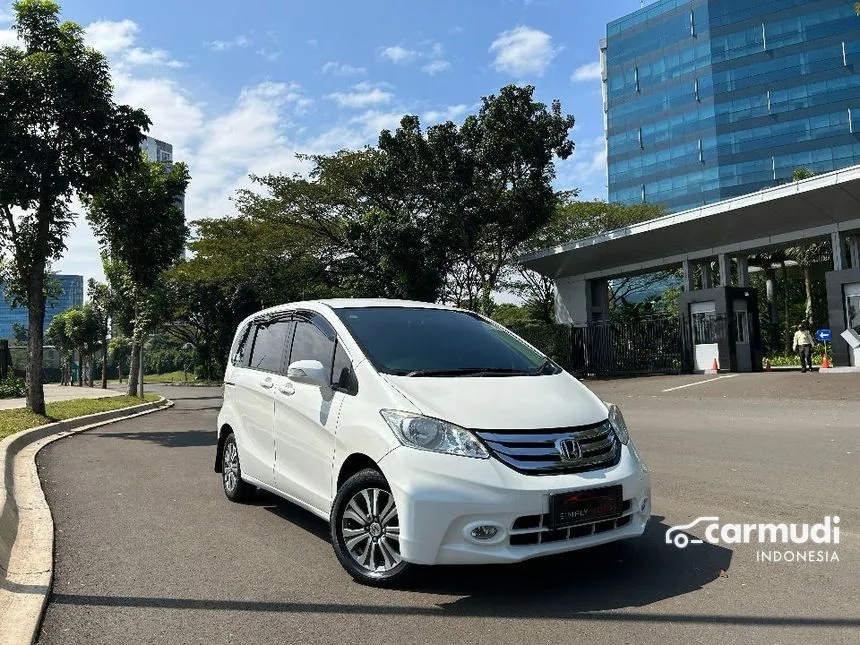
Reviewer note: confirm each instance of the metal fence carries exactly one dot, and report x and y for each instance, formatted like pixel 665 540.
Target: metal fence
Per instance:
pixel 50 363
pixel 5 359
pixel 656 345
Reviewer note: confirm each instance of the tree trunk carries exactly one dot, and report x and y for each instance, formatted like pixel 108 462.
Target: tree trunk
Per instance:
pixel 92 369
pixel 773 310
pixel 80 368
pixel 788 335
pixel 104 362
pixel 133 370
pixel 35 341
pixel 807 281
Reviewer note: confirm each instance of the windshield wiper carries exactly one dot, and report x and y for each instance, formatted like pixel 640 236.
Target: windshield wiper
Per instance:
pixel 543 368
pixel 469 371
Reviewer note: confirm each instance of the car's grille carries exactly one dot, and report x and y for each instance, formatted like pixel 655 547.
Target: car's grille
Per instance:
pixel 534 452
pixel 534 529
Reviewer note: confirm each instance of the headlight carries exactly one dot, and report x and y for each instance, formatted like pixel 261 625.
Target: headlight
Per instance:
pixel 616 420
pixel 425 433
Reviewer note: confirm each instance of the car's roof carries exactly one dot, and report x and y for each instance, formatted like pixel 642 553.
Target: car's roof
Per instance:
pixel 343 303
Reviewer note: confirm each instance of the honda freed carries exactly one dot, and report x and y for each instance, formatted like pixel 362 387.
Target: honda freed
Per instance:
pixel 423 434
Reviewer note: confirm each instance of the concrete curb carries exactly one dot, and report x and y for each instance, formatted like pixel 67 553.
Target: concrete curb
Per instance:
pixel 26 524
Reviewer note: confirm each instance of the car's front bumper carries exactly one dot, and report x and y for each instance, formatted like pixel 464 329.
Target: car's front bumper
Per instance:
pixel 441 498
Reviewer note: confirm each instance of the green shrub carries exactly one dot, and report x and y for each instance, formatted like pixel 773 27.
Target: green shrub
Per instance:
pixel 12 388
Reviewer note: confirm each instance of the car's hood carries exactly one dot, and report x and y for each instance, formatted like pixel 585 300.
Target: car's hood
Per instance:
pixel 503 403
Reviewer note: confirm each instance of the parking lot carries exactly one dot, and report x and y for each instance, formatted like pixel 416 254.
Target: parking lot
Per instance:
pixel 148 550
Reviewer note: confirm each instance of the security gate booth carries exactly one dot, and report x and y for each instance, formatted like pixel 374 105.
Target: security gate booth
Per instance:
pixel 721 324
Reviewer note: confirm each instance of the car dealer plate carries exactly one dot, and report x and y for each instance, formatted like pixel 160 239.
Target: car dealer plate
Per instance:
pixel 585 506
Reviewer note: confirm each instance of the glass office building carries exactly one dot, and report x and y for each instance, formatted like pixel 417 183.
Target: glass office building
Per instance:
pixel 71 294
pixel 711 99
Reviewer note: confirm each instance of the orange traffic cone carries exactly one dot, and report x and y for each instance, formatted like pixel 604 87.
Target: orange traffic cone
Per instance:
pixel 715 367
pixel 825 363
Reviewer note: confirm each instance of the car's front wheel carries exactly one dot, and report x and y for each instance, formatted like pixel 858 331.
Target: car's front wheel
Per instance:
pixel 235 488
pixel 365 530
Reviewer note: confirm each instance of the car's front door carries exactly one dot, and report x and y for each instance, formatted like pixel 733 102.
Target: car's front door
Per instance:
pixel 255 403
pixel 306 418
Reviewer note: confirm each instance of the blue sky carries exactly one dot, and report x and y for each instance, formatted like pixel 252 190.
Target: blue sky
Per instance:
pixel 241 87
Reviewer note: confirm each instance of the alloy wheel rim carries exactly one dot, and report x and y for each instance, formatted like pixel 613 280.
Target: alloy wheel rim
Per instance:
pixel 371 530
pixel 231 466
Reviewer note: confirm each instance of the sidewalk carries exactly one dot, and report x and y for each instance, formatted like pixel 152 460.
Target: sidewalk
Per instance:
pixel 62 393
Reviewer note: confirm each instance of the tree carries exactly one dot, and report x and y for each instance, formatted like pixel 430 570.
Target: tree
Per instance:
pixel 20 333
pixel 801 173
pixel 119 350
pixel 62 133
pixel 59 337
pixel 100 301
pixel 513 140
pixel 201 314
pixel 140 224
pixel 432 214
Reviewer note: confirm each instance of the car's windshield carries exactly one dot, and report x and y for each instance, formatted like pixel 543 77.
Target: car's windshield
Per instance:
pixel 437 342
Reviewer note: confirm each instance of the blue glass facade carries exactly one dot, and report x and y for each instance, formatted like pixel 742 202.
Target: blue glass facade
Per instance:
pixel 710 99
pixel 71 288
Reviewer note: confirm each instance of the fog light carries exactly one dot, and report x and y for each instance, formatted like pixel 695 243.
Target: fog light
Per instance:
pixel 484 532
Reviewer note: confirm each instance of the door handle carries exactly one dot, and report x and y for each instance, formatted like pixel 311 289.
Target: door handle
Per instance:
pixel 266 382
pixel 287 388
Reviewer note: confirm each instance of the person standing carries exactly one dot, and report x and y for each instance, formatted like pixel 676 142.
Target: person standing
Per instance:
pixel 803 345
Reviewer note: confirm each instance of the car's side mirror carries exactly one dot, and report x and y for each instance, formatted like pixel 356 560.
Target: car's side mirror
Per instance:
pixel 309 371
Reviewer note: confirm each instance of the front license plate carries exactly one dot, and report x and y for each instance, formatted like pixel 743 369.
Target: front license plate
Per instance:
pixel 585 506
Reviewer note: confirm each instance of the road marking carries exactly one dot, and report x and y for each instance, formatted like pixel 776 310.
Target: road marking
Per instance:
pixel 681 387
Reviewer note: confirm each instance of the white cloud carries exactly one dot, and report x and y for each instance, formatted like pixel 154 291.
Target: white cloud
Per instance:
pixel 587 72
pixel 361 95
pixel 398 54
pixel 450 113
pixel 523 51
pixel 138 56
pixel 585 169
pixel 259 132
pixel 116 40
pixel 228 44
pixel 9 38
pixel 435 67
pixel 268 55
pixel 342 69
pixel 111 37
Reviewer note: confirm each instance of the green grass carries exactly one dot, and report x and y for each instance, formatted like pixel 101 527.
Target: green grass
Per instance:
pixel 168 377
pixel 12 421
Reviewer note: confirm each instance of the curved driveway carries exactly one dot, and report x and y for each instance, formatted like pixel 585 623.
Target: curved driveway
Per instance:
pixel 148 550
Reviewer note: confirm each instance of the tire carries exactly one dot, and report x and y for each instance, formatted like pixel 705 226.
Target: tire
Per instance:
pixel 235 488
pixel 365 531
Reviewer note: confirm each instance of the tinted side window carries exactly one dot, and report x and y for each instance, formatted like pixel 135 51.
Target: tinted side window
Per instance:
pixel 341 373
pixel 268 351
pixel 241 350
pixel 309 343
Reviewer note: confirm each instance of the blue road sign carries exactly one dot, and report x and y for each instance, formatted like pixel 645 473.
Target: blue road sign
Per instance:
pixel 823 335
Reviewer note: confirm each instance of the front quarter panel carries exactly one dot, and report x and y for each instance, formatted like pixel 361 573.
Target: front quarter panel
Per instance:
pixel 361 429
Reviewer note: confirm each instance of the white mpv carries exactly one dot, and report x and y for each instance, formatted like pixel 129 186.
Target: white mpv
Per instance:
pixel 424 435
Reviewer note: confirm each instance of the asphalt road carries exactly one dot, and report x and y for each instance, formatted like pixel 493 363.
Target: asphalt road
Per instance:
pixel 148 550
